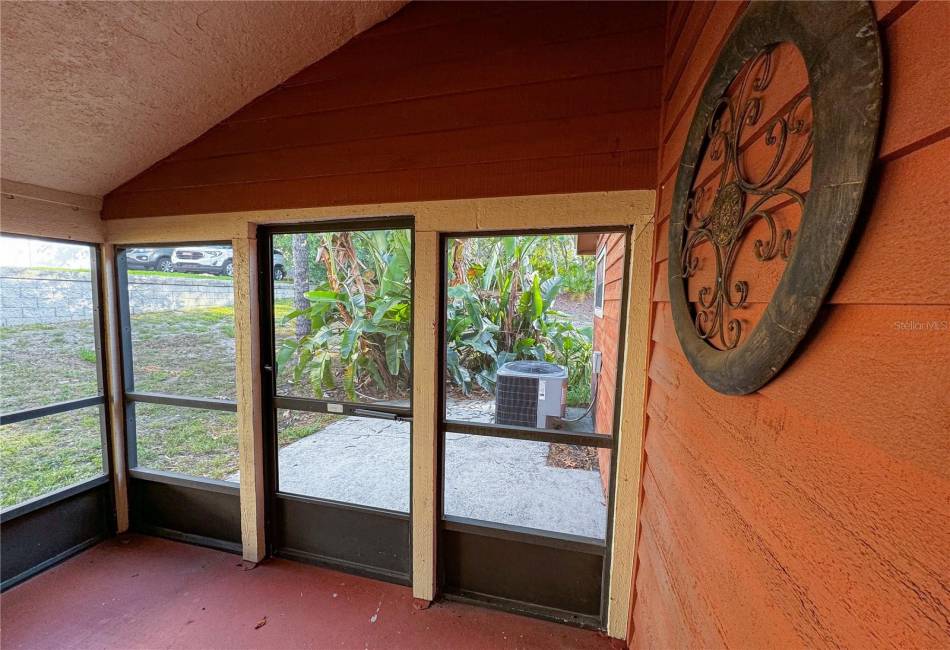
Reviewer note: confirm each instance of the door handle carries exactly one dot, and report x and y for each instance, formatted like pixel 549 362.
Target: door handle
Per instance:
pixel 382 415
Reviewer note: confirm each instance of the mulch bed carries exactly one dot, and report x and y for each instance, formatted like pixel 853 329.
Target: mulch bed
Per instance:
pixel 571 456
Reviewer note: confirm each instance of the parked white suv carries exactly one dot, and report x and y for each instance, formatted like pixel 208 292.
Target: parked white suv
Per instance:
pixel 204 259
pixel 215 258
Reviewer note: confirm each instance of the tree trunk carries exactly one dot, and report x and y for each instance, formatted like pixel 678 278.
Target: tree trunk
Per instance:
pixel 301 255
pixel 457 258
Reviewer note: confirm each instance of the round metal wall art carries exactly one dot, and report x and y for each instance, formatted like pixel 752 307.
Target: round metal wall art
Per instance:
pixel 832 126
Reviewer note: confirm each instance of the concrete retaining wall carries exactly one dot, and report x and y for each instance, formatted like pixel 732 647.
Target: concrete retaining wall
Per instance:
pixel 28 297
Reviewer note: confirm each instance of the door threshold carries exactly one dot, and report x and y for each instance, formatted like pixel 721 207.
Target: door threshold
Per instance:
pixel 574 619
pixel 344 566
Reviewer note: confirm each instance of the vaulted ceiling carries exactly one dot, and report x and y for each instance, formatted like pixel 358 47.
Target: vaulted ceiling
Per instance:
pixel 95 92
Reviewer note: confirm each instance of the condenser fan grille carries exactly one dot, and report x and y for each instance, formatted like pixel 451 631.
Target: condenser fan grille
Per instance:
pixel 529 392
pixel 517 401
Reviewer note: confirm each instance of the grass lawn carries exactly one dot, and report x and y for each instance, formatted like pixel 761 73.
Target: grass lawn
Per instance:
pixel 44 364
pixel 41 455
pixel 188 353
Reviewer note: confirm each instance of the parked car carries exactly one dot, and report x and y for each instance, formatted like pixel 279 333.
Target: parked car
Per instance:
pixel 216 259
pixel 150 259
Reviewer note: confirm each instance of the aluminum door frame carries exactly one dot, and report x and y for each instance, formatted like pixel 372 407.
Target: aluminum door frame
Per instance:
pixel 347 537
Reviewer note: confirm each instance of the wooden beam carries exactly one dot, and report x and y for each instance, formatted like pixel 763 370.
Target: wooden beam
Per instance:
pixel 247 371
pixel 533 211
pixel 425 389
pixel 112 361
pixel 630 437
pixel 49 195
pixel 42 212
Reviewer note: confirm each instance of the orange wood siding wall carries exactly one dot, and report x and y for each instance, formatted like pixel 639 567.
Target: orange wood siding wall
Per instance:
pixel 441 101
pixel 606 339
pixel 815 512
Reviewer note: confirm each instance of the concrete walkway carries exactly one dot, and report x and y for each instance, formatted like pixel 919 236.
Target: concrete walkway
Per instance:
pixel 366 461
pixel 509 482
pixel 354 460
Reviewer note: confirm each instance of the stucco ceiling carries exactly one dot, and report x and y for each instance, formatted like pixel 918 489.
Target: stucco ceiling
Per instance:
pixel 95 92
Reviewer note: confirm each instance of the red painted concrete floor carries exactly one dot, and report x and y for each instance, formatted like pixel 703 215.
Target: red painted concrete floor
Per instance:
pixel 145 592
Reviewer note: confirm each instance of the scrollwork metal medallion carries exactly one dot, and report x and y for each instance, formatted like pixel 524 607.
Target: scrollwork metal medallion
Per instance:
pixel 726 210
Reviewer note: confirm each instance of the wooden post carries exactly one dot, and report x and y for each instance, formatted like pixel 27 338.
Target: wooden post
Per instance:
pixel 425 389
pixel 112 362
pixel 630 437
pixel 247 370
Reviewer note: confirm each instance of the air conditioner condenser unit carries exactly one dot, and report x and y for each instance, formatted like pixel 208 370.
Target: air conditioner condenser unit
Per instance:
pixel 530 393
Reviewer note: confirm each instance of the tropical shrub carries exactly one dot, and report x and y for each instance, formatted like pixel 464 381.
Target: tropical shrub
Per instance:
pixel 555 255
pixel 499 308
pixel 502 310
pixel 362 311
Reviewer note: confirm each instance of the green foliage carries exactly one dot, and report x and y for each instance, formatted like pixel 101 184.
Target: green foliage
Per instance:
pixel 359 316
pixel 316 271
pixel 578 279
pixel 504 312
pixel 499 308
pixel 87 355
pixel 556 256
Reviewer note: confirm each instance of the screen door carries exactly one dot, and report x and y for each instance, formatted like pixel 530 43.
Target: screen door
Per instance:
pixel 336 336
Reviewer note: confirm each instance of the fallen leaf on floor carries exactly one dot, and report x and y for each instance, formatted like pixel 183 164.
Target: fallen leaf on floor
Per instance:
pixel 261 623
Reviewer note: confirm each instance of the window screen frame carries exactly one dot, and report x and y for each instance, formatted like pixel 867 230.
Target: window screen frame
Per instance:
pixel 449 525
pixel 13 512
pixel 130 396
